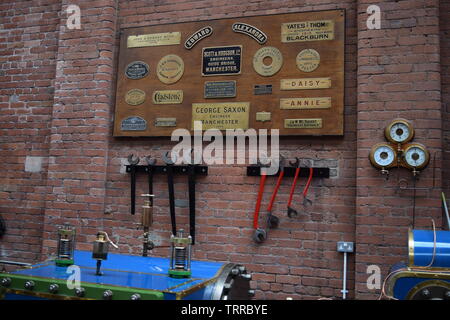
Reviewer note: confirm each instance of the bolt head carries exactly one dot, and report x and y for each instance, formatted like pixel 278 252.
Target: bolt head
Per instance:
pixel 425 292
pixel 135 297
pixel 53 288
pixel 6 282
pixel 29 285
pixel 107 295
pixel 80 292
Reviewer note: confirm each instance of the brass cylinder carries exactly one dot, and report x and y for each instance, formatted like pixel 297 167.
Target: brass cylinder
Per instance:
pixel 147 215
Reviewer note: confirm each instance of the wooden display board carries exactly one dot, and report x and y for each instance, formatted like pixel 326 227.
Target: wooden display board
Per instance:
pixel 283 71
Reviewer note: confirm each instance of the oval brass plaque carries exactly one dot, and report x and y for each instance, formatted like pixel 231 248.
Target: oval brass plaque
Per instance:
pixel 135 97
pixel 170 69
pixel 271 67
pixel 308 60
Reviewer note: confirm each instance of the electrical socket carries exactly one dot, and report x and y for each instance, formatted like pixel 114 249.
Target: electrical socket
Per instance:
pixel 345 246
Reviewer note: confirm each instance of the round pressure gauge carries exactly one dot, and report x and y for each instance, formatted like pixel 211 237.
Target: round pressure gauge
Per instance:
pixel 416 156
pixel 399 131
pixel 382 155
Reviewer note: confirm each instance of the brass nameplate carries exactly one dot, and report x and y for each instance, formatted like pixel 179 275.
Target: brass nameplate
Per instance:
pixel 307 31
pixel 308 60
pixel 303 123
pixel 263 116
pixel 170 69
pixel 274 56
pixel 305 83
pixel 154 39
pixel 305 103
pixel 135 97
pixel 165 122
pixel 222 116
pixel 167 96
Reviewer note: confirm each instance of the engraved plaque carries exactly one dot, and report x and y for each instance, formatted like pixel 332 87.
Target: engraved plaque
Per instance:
pixel 305 83
pixel 303 123
pixel 222 116
pixel 135 97
pixel 170 69
pixel 221 60
pixel 251 31
pixel 134 123
pixel 318 30
pixel 197 36
pixel 308 60
pixel 154 39
pixel 305 103
pixel 259 89
pixel 272 66
pixel 137 70
pixel 166 122
pixel 220 89
pixel 167 97
pixel 263 116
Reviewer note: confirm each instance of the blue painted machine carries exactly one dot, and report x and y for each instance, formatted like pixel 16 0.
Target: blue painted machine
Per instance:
pixel 126 277
pixel 427 276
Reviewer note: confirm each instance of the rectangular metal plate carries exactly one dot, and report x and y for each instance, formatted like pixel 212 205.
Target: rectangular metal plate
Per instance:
pixel 167 96
pixel 133 124
pixel 222 116
pixel 263 116
pixel 220 89
pixel 305 103
pixel 166 122
pixel 303 123
pixel 259 89
pixel 307 31
pixel 221 60
pixel 154 39
pixel 305 83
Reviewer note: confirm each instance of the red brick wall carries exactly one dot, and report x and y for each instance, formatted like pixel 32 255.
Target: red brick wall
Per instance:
pixel 445 80
pixel 28 45
pixel 398 76
pixel 389 73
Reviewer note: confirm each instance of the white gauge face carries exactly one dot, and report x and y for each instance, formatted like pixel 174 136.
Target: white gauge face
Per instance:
pixel 399 132
pixel 415 157
pixel 384 156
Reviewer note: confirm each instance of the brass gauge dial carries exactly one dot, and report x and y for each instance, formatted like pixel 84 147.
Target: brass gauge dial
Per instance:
pixel 383 155
pixel 416 156
pixel 399 131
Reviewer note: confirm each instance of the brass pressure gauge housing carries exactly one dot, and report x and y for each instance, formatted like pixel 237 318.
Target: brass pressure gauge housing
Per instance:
pixel 383 156
pixel 399 131
pixel 415 156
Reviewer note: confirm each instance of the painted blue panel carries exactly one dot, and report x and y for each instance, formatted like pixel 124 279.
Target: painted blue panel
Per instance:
pixel 423 248
pixel 129 271
pixel 403 285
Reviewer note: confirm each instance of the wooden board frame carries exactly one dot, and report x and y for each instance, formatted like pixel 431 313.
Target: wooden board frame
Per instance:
pixel 192 82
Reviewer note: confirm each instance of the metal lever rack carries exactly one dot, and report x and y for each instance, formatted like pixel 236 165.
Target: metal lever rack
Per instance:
pixel 255 171
pixel 199 170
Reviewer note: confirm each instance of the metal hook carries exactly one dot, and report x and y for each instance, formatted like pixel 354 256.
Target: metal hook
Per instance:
pixel 132 160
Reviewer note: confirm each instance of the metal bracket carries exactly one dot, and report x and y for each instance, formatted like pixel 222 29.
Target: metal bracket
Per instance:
pixel 255 171
pixel 199 170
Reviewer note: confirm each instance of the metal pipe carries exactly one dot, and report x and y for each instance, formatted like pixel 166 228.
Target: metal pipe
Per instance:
pixel 15 263
pixel 344 280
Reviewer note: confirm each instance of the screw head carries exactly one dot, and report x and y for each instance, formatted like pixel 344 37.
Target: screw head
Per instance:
pixel 107 295
pixel 6 282
pixel 447 295
pixel 80 292
pixel 425 293
pixel 53 288
pixel 135 297
pixel 29 285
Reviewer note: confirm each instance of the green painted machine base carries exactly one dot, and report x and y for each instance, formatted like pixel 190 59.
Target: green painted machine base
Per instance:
pixel 64 262
pixel 179 273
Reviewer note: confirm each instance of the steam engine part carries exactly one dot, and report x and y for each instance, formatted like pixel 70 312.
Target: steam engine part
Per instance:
pixel 129 278
pixel 180 255
pixel 427 277
pixel 66 246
